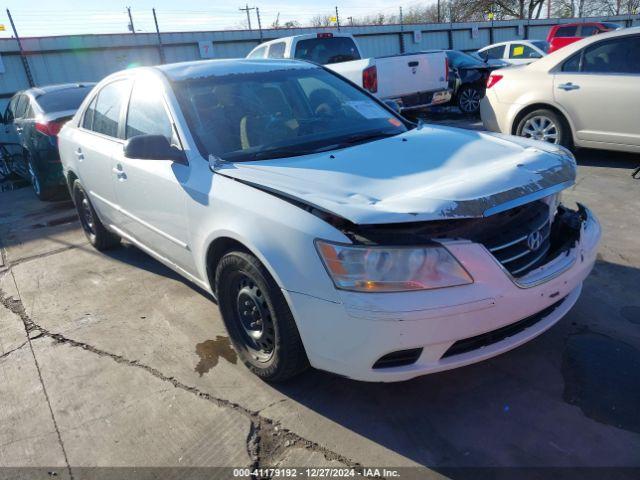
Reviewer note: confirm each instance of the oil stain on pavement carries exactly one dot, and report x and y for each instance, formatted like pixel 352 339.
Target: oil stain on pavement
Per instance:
pixel 601 377
pixel 210 352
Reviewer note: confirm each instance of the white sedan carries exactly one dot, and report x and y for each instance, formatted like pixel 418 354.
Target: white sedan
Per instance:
pixel 332 232
pixel 516 52
pixel 586 94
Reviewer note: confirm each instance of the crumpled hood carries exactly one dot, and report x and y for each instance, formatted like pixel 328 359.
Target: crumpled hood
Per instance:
pixel 431 173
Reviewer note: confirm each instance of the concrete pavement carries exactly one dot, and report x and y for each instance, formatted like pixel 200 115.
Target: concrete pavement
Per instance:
pixel 114 360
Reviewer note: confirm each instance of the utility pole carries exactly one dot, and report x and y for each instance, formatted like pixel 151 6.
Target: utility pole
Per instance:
pixel 160 49
pixel 337 19
pixel 351 20
pixel 259 22
pixel 25 63
pixel 548 8
pixel 131 27
pixel 438 11
pixel 247 10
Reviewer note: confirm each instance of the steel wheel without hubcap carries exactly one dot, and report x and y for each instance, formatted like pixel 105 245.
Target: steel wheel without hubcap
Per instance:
pixel 541 128
pixel 86 216
pixel 469 100
pixel 254 318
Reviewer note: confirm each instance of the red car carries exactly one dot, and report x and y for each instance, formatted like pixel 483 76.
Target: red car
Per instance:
pixel 566 33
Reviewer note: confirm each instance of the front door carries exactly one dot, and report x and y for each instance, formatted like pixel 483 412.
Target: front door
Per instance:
pixel 599 88
pixel 150 193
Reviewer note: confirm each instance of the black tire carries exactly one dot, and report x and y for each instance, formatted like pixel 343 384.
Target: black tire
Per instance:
pixel 43 192
pixel 95 231
pixel 562 132
pixel 270 346
pixel 469 100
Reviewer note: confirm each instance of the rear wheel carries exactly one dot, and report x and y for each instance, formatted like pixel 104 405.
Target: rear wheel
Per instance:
pixel 42 191
pixel 258 319
pixel 469 100
pixel 95 231
pixel 545 125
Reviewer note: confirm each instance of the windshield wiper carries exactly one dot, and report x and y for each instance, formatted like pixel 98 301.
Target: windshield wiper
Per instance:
pixel 297 150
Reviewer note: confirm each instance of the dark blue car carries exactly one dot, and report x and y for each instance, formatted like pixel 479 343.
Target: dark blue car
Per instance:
pixel 32 121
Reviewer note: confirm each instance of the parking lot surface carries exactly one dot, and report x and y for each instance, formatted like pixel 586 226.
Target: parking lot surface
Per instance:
pixel 114 360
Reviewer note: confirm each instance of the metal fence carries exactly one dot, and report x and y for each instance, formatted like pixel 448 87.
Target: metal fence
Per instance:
pixel 59 59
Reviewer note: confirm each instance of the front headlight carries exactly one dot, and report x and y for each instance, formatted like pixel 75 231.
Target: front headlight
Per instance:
pixel 391 269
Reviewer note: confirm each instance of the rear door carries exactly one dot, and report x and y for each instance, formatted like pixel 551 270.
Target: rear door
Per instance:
pixel 150 193
pixel 10 132
pixel 599 87
pixel 493 56
pixel 96 141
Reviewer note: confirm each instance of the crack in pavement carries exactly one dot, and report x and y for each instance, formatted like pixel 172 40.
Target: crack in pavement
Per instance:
pixel 266 441
pixel 6 354
pixel 16 307
pixel 9 265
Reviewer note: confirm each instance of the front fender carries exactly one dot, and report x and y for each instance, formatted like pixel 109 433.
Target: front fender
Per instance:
pixel 280 234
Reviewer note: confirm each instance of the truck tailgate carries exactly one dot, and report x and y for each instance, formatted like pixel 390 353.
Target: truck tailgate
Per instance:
pixel 402 75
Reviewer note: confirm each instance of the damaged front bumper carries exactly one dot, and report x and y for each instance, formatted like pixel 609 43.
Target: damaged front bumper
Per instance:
pixel 397 336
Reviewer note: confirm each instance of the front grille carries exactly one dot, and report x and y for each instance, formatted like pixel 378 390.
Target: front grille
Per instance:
pixel 495 336
pixel 399 358
pixel 511 246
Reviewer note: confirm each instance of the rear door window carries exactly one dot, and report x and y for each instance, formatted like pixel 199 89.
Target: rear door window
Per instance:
pixel 494 53
pixel 106 116
pixel 87 120
pixel 257 53
pixel 568 31
pixel 276 50
pixel 21 106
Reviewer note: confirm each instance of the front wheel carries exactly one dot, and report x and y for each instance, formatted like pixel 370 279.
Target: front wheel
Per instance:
pixel 258 319
pixel 94 230
pixel 545 125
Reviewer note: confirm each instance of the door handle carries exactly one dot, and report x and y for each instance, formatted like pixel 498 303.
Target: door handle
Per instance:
pixel 568 86
pixel 79 154
pixel 120 175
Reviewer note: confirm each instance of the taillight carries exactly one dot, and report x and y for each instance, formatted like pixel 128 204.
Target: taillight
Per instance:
pixel 50 129
pixel 370 79
pixel 446 69
pixel 325 35
pixel 493 79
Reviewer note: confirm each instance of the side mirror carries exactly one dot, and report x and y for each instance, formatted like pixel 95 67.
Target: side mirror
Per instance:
pixel 152 147
pixel 393 105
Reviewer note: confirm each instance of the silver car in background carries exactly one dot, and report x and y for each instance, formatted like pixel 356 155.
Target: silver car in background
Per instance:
pixel 585 95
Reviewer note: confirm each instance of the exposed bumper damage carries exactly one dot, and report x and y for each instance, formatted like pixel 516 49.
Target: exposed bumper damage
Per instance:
pixel 451 327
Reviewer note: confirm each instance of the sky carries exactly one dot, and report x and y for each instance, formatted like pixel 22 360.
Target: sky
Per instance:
pixel 63 17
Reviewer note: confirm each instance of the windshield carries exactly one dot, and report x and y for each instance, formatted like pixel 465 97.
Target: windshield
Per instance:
pixel 541 44
pixel 288 112
pixel 326 50
pixel 60 100
pixel 460 59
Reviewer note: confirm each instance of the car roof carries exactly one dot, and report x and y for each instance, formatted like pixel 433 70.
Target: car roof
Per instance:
pixel 207 68
pixel 39 91
pixel 551 60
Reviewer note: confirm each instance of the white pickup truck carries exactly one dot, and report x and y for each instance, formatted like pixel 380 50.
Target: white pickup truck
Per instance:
pixel 412 81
